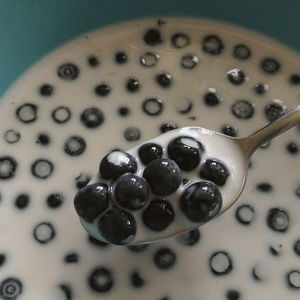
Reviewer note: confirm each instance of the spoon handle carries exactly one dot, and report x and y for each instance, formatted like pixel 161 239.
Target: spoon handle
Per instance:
pixel 252 142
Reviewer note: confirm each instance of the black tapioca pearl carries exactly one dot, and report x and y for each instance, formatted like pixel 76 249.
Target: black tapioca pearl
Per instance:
pixel 102 90
pixel 22 201
pixel 123 111
pixel 153 106
pixel 275 110
pixel 132 84
pixel 293 279
pixel 278 220
pixel 121 57
pixel 270 65
pixel 236 76
pixel 138 248
pixel 101 280
pixel 93 61
pixel 295 79
pixel 97 243
pixel 243 109
pixel 55 200
pixel 12 136
pixel 82 180
pixel 46 90
pixel 220 263
pixel 71 258
pixel 189 238
pixel 275 250
pixel 164 79
pixel 61 115
pixel 233 295
pixel 136 279
pixel 229 130
pixel 264 187
pixel 165 127
pixel 68 71
pixel 132 134
pixel 165 258
pixel 211 98
pixel 180 40
pixel 11 288
pixel 149 59
pixel 27 113
pixel 189 61
pixel 92 117
pixel 261 88
pixel 212 44
pixel 149 152
pixel 42 168
pixel 74 146
pixel 296 247
pixel 258 273
pixel 297 192
pixel 153 37
pixel 8 167
pixel 2 259
pixel 292 148
pixel 215 171
pixel 245 214
pixel 43 139
pixel 241 51
pixel 44 233
pixel 67 290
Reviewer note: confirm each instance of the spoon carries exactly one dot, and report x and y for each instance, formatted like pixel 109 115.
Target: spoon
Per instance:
pixel 181 197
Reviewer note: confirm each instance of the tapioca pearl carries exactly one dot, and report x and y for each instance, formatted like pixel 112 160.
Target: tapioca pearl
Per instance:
pixel 71 258
pixel 149 59
pixel 121 57
pixel 158 215
pixel 149 152
pixel 165 258
pixel 55 200
pixel 102 89
pixel 11 288
pixel 292 148
pixel 278 220
pixel 153 37
pixel 117 163
pixel 153 106
pixel 92 117
pixel 68 71
pixel 189 238
pixel 180 40
pixel 67 290
pixel 211 98
pixel 97 243
pixel 293 279
pixel 245 214
pixel 265 145
pixel 44 233
pixel 189 61
pixel 296 247
pixel 27 113
pixel 22 201
pixel 275 250
pixel 2 259
pixel 220 263
pixel 186 152
pixel 264 187
pixel 82 180
pixel 243 109
pixel 46 90
pixel 297 192
pixel 233 295
pixel 259 273
pixel 61 115
pixel 229 130
pixel 123 111
pixel 295 79
pixel 12 136
pixel 42 168
pixel 201 201
pixel 215 171
pixel 241 51
pixel 74 146
pixel 8 167
pixel 270 65
pixel 93 61
pixel 261 88
pixel 100 279
pixel 164 79
pixel 132 84
pixel 165 127
pixel 132 134
pixel 138 248
pixel 136 279
pixel 43 139
pixel 169 179
pixel 275 110
pixel 212 44
pixel 236 76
